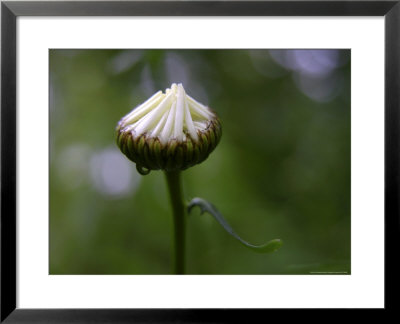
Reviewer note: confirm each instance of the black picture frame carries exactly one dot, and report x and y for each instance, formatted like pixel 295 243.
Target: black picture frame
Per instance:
pixel 9 13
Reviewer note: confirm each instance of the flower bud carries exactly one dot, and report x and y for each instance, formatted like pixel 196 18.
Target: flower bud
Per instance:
pixel 170 131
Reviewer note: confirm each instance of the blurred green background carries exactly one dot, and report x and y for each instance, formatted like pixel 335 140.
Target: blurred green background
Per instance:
pixel 281 170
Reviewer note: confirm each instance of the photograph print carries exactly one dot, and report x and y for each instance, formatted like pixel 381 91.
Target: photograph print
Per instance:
pixel 200 161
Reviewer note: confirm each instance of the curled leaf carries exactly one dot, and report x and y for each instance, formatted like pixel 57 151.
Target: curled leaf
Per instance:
pixel 206 206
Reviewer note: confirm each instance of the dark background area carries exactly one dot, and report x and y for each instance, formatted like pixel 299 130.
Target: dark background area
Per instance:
pixel 281 170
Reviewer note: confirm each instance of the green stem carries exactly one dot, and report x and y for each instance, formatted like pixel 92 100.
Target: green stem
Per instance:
pixel 175 194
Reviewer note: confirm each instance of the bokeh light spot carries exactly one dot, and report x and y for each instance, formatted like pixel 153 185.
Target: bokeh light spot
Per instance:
pixel 72 165
pixel 112 174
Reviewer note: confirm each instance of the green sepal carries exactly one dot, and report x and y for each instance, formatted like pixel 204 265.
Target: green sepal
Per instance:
pixel 178 158
pixel 157 151
pixel 129 144
pixel 189 151
pixel 211 135
pixel 139 147
pixel 150 154
pixel 150 162
pixel 204 147
pixel 172 145
pixel 196 154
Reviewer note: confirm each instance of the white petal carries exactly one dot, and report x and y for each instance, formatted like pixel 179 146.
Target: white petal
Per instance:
pixel 178 129
pixel 166 132
pixel 144 108
pixel 172 115
pixel 160 125
pixel 199 108
pixel 154 116
pixel 189 123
